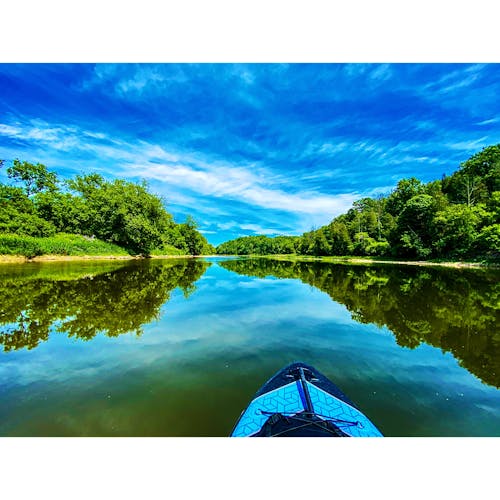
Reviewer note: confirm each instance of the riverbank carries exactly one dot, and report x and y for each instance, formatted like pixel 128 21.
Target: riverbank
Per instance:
pixel 16 259
pixel 6 259
pixel 371 260
pixel 69 247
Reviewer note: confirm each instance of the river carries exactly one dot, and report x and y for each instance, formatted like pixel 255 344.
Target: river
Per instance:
pixel 178 347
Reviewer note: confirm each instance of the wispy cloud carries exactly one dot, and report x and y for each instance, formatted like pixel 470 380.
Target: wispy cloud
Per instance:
pixel 490 121
pixel 250 183
pixel 475 144
pixel 456 80
pixel 255 228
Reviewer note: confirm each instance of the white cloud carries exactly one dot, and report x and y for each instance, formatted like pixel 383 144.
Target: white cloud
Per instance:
pixel 468 145
pixel 249 183
pixel 454 80
pixel 255 228
pixel 489 121
pixel 381 72
pixel 224 226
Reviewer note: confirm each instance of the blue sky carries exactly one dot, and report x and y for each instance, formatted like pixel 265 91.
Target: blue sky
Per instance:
pixel 251 148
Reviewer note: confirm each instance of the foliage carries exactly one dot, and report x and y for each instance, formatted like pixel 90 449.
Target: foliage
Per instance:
pixel 488 241
pixel 477 178
pixel 456 229
pixel 118 212
pixel 364 245
pixel 167 249
pixel 36 178
pixel 405 190
pixel 122 212
pixel 25 224
pixel 455 217
pixel 60 244
pixel 194 241
pixel 65 211
pixel 259 245
pixel 413 227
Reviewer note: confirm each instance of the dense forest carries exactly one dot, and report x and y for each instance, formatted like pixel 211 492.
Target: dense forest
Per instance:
pixel 456 217
pixel 37 205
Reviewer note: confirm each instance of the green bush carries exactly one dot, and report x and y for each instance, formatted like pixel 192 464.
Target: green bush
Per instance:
pixel 60 244
pixel 13 244
pixel 488 241
pixel 168 250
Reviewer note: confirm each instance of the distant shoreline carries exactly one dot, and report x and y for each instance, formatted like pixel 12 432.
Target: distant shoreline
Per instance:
pixel 19 259
pixel 367 260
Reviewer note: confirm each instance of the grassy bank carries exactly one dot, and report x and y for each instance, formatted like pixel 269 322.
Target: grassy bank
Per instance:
pixel 12 245
pixel 68 247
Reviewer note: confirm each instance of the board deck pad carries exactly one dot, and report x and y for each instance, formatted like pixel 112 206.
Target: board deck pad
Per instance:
pixel 281 396
pixel 286 399
pixel 329 406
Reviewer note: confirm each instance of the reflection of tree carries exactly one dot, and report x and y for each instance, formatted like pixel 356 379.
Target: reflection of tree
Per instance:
pixel 113 302
pixel 455 310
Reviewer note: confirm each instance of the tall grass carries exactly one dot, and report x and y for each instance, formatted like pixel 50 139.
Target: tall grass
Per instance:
pixel 60 244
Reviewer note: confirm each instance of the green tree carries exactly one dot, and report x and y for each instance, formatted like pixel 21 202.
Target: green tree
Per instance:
pixel 477 178
pixel 173 236
pixel 405 190
pixel 67 212
pixel 36 178
pixel 320 244
pixel 123 212
pixel 413 232
pixel 484 165
pixel 195 242
pixel 455 230
pixel 338 238
pixel 488 241
pixel 15 198
pixel 17 214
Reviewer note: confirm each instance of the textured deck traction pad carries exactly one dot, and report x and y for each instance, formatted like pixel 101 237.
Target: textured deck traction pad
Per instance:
pixel 286 399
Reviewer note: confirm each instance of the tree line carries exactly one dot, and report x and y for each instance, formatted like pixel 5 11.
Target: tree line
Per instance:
pixel 456 217
pixel 36 203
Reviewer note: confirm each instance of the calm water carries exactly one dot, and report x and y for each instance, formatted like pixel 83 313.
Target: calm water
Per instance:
pixel 179 347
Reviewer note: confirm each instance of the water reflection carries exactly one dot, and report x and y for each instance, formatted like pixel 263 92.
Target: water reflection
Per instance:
pixel 457 310
pixel 87 299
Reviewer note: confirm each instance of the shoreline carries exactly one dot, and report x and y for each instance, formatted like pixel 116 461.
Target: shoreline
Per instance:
pixel 20 259
pixel 362 260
